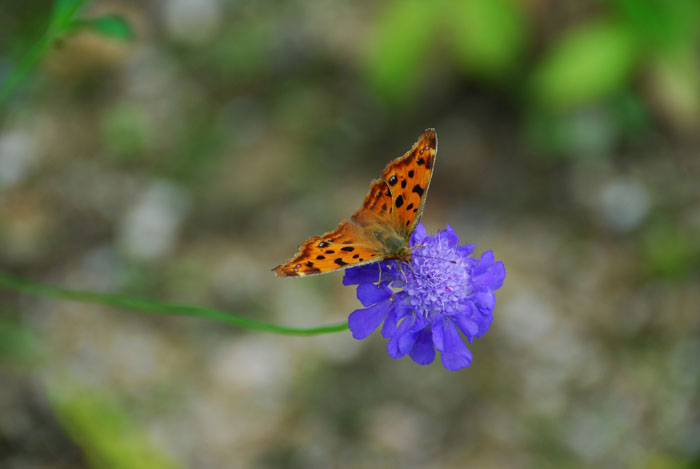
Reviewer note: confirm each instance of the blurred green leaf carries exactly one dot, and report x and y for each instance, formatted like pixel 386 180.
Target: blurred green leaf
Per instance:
pixel 585 65
pixel 113 26
pixel 126 130
pixel 17 342
pixel 667 251
pixel 62 15
pixel 659 22
pixel 396 60
pixel 489 35
pixel 102 428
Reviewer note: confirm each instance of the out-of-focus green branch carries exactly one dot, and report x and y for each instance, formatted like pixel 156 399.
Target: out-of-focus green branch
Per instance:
pixel 60 22
pixel 14 282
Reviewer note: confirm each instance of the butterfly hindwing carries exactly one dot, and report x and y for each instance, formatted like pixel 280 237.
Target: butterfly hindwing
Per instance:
pixel 344 247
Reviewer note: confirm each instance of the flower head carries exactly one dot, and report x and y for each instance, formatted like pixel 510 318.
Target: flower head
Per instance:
pixel 425 303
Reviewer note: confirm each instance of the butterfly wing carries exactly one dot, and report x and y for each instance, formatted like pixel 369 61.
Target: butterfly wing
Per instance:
pixel 377 206
pixel 408 179
pixel 389 212
pixel 344 247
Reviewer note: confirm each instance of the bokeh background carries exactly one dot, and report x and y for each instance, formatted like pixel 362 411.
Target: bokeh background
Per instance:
pixel 180 149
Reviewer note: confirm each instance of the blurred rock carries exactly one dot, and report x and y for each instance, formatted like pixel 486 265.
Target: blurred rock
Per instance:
pixel 192 22
pixel 622 204
pixel 151 226
pixel 18 154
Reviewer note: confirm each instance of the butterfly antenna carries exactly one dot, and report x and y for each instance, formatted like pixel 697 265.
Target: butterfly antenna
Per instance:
pixel 437 258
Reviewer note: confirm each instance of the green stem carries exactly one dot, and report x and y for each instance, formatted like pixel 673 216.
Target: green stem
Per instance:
pixel 61 17
pixel 14 282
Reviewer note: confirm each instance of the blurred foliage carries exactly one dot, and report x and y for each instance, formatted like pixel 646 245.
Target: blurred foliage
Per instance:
pixel 586 64
pixel 399 53
pixel 668 252
pixel 489 37
pixel 178 150
pixel 591 64
pixel 104 430
pixel 62 21
pixel 113 26
pixel 18 343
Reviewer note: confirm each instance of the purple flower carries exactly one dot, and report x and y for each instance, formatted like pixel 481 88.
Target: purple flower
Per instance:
pixel 425 303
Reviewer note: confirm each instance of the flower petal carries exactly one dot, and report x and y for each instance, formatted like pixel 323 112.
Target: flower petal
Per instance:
pixel 400 344
pixel 423 352
pixel 450 235
pixel 455 355
pixel 493 277
pixel 465 250
pixel 368 273
pixel 484 264
pixel 484 321
pixel 485 301
pixel 406 342
pixel 418 235
pixel 370 294
pixel 389 327
pixel 438 333
pixel 467 325
pixel 363 322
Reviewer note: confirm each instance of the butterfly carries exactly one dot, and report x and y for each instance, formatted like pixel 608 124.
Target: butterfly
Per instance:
pixel 382 227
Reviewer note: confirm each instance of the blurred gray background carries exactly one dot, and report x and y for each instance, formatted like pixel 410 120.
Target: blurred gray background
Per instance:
pixel 184 162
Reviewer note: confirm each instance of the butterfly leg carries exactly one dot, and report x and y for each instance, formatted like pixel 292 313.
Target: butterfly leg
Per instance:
pixel 403 274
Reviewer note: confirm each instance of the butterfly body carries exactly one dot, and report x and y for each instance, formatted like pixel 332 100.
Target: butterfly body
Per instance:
pixel 382 227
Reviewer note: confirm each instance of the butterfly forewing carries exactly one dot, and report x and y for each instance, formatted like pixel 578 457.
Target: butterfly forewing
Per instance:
pixel 388 216
pixel 408 179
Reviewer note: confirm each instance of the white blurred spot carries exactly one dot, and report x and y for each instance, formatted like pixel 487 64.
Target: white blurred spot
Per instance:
pixel 252 364
pixel 397 428
pixel 150 228
pixel 192 22
pixel 17 156
pixel 526 318
pixel 622 204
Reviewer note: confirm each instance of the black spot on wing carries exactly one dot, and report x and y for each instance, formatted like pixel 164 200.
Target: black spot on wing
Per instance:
pixel 409 206
pixel 403 184
pixel 320 258
pixel 418 190
pixel 347 249
pixel 309 264
pixel 411 174
pixel 399 201
pixel 340 262
pixel 393 180
pixel 420 161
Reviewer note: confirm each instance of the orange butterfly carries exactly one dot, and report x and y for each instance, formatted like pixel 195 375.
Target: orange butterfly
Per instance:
pixel 381 229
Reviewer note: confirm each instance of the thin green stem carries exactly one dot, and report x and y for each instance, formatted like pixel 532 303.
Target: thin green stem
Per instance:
pixel 16 283
pixel 59 23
